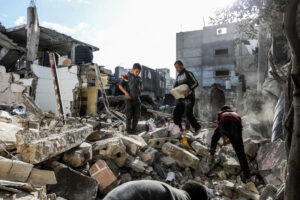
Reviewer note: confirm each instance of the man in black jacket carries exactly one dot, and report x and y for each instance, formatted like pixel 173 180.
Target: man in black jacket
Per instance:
pixel 186 77
pixel 155 190
pixel 131 86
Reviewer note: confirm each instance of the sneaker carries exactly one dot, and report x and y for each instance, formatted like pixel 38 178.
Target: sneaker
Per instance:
pixel 197 132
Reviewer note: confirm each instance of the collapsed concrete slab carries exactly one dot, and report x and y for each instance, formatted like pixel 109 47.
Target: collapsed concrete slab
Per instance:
pixel 73 185
pixel 36 148
pixel 271 157
pixel 103 175
pixel 14 170
pixel 79 156
pixel 111 148
pixel 181 155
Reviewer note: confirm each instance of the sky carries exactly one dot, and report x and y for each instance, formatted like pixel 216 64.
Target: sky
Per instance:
pixel 126 31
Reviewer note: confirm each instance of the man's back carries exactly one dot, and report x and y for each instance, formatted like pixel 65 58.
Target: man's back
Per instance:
pixel 146 190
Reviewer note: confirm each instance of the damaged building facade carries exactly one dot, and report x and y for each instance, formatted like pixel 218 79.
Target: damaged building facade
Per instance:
pixel 219 54
pixel 55 143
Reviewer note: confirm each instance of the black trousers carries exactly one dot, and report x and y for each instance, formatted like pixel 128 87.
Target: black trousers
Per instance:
pixel 178 113
pixel 233 131
pixel 133 113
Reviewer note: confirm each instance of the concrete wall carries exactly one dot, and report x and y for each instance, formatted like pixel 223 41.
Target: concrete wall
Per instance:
pixel 45 96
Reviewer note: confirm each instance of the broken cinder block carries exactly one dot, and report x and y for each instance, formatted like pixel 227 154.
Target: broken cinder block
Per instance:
pixel 111 148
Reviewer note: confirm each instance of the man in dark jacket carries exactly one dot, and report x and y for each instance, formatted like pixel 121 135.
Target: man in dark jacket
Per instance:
pixel 131 86
pixel 217 100
pixel 230 125
pixel 155 190
pixel 186 77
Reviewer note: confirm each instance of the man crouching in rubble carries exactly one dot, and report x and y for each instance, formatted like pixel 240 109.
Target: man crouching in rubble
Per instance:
pixel 185 77
pixel 230 125
pixel 131 86
pixel 155 190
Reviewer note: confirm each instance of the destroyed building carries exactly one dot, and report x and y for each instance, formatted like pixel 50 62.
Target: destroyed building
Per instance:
pixel 67 147
pixel 219 54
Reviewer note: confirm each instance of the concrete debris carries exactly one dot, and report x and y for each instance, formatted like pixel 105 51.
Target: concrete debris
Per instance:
pixel 72 184
pixel 136 164
pixel 270 158
pixel 200 149
pixel 8 133
pixel 33 148
pixel 160 133
pixel 97 154
pixel 14 170
pixel 112 148
pixel 79 156
pixel 132 145
pixel 103 175
pixel 181 155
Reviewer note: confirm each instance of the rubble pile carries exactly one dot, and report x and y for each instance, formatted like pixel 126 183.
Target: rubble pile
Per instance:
pixel 47 157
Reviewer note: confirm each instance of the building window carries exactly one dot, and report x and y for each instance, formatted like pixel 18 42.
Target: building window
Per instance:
pixel 221 31
pixel 221 52
pixel 222 73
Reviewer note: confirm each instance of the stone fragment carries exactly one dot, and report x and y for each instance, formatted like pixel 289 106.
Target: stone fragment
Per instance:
pixel 46 145
pixel 167 161
pixel 181 155
pixel 79 156
pixel 132 145
pixel 17 88
pixel 136 164
pixel 149 155
pixel 159 142
pixel 41 177
pixel 112 148
pixel 8 135
pixel 159 133
pixel 16 77
pixel 4 82
pixel 141 126
pixel 2 69
pixel 251 147
pixel 141 140
pixel 231 165
pixel 200 149
pixel 73 185
pixel 271 157
pixel 14 170
pixel 104 176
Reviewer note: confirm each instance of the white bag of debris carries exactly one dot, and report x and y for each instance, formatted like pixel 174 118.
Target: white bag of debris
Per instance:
pixel 178 92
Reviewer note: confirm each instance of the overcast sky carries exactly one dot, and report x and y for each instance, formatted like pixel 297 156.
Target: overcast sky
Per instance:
pixel 126 31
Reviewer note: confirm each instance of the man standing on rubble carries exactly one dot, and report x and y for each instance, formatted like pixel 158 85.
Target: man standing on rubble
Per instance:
pixel 155 190
pixel 230 125
pixel 131 86
pixel 217 100
pixel 186 77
